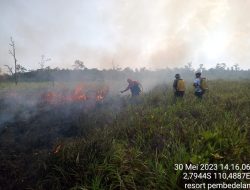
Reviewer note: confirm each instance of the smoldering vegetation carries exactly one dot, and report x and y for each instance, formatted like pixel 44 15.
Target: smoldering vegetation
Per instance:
pixel 53 111
pixel 33 122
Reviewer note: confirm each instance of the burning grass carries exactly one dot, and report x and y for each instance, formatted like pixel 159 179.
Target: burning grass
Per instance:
pixel 78 94
pixel 33 120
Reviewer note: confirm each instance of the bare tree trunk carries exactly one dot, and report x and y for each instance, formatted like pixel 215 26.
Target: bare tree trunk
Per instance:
pixel 13 53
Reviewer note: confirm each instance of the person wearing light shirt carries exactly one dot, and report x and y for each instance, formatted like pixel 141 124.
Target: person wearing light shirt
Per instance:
pixel 198 92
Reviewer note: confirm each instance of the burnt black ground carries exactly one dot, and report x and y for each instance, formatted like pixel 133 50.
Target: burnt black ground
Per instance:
pixel 26 142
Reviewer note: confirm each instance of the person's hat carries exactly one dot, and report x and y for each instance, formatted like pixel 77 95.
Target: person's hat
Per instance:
pixel 198 73
pixel 177 76
pixel 129 80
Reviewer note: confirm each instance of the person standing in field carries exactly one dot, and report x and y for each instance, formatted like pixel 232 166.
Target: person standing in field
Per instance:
pixel 179 86
pixel 134 87
pixel 200 85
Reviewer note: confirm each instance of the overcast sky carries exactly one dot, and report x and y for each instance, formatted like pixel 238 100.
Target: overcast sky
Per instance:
pixel 129 33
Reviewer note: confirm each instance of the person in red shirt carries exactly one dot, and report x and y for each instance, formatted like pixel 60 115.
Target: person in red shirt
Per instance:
pixel 134 87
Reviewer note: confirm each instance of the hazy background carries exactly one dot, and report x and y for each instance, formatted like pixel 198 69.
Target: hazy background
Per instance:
pixel 128 33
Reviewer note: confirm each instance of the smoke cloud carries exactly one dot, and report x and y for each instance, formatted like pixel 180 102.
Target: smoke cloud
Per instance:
pixel 152 34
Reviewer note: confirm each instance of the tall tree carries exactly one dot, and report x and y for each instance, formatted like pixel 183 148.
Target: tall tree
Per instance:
pixel 236 67
pixel 12 52
pixel 221 66
pixel 78 65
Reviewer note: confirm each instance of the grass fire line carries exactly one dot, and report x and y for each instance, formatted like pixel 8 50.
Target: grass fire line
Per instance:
pixel 78 94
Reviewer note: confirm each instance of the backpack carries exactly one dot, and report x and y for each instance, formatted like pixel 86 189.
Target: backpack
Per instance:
pixel 180 85
pixel 204 85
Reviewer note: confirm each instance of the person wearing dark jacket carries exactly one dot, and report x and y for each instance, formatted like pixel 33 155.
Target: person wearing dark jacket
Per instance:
pixel 134 87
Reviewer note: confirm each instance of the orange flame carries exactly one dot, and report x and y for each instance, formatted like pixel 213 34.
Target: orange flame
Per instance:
pixel 76 95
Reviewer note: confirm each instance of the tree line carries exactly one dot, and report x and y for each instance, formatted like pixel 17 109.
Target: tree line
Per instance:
pixel 18 72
